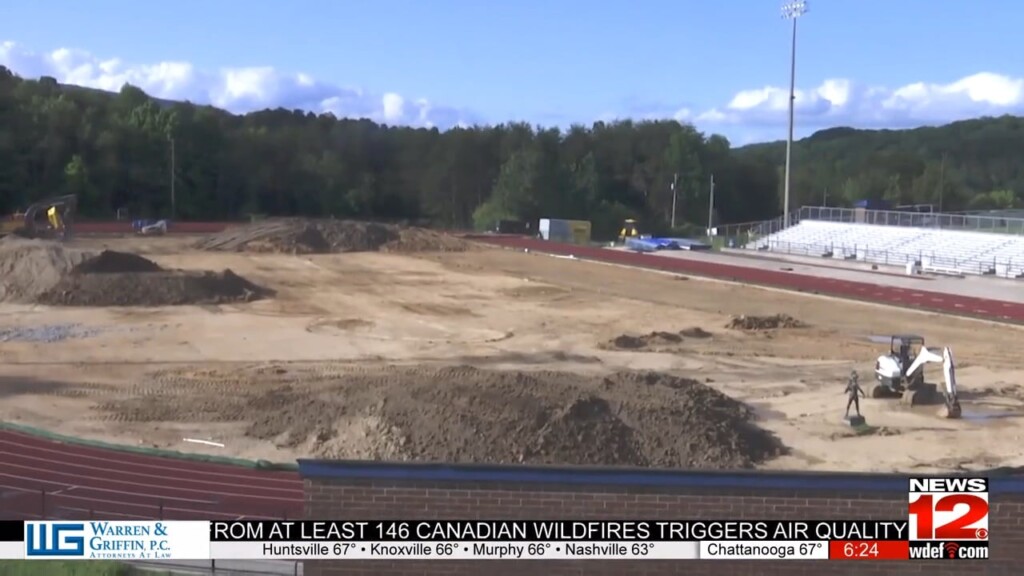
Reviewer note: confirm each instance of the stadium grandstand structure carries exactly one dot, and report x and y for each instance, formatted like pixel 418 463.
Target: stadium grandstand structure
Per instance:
pixel 933 249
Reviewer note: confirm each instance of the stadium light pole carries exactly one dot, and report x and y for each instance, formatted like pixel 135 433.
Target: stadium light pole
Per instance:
pixel 791 11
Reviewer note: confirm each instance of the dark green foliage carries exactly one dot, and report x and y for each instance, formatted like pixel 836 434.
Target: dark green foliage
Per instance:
pixel 114 151
pixel 969 165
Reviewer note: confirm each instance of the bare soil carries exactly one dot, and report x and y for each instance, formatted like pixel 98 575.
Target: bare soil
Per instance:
pixel 160 288
pixel 499 356
pixel 659 339
pixel 308 236
pixel 467 414
pixel 48 272
pixel 773 322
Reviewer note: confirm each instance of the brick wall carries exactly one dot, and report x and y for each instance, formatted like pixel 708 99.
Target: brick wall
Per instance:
pixel 352 492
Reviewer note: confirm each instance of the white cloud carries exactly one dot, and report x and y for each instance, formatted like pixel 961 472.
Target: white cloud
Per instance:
pixel 762 114
pixel 841 102
pixel 236 89
pixel 750 115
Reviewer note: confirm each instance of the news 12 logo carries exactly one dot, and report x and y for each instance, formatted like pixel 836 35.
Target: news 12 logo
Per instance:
pixel 948 509
pixel 61 539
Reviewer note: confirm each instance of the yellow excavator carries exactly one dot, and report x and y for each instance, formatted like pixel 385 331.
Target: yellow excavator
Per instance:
pixel 629 230
pixel 59 212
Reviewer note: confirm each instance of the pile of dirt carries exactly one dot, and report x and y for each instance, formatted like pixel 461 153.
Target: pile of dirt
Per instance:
pixel 466 414
pixel 159 288
pixel 111 262
pixel 309 236
pixel 754 323
pixel 29 268
pixel 47 272
pixel 658 339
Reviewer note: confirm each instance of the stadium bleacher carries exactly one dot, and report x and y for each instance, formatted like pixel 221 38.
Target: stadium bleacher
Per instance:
pixel 935 249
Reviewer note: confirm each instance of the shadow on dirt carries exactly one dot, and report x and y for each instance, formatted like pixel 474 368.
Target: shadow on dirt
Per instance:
pixel 11 386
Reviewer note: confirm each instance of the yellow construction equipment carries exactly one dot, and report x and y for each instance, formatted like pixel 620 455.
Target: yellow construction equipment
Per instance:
pixel 629 230
pixel 59 214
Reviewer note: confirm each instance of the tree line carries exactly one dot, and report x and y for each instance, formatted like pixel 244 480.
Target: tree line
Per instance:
pixel 964 166
pixel 118 152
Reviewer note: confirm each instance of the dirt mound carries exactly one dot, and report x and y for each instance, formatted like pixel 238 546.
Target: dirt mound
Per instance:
pixel 465 414
pixel 307 236
pixel 695 332
pixel 29 268
pixel 111 262
pixel 657 339
pixel 764 322
pixel 161 288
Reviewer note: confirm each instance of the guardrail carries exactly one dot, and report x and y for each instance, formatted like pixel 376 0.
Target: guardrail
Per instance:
pixel 1004 267
pixel 964 222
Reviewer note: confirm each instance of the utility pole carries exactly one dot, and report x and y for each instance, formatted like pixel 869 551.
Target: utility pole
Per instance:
pixel 675 179
pixel 791 11
pixel 174 203
pixel 711 205
pixel 824 198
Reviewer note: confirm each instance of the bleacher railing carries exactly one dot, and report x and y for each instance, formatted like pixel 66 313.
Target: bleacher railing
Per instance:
pixel 964 222
pixel 1003 267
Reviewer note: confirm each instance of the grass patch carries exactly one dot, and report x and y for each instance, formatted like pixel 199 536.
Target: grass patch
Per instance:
pixel 64 568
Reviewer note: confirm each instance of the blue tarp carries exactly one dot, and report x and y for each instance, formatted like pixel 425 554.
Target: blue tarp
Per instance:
pixel 643 244
pixel 646 244
pixel 687 244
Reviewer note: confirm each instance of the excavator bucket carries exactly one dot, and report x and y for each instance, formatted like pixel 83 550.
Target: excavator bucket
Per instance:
pixel 951 410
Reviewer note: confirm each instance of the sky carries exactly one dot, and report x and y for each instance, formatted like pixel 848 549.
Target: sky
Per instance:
pixel 721 65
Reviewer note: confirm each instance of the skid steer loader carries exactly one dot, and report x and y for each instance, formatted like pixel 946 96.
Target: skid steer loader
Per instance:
pixel 900 374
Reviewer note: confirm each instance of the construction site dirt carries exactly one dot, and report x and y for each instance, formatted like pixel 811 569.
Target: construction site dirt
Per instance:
pixel 448 351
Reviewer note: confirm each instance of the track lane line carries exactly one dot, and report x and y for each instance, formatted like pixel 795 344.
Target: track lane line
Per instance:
pixel 216 507
pixel 15 457
pixel 50 474
pixel 108 456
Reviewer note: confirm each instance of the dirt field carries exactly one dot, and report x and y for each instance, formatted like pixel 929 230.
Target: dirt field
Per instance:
pixel 492 355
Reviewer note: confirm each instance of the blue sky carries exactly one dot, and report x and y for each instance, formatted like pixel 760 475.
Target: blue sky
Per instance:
pixel 722 65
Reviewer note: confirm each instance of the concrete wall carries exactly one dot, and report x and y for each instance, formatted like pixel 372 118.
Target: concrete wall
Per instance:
pixel 369 491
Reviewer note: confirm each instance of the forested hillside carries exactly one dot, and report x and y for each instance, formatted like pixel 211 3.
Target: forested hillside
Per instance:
pixel 969 165
pixel 115 151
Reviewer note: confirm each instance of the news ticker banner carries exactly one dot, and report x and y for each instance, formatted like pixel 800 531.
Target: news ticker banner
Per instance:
pixel 476 540
pixel 947 518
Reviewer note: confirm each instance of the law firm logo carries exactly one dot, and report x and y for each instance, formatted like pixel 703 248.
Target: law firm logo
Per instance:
pixel 950 509
pixel 54 539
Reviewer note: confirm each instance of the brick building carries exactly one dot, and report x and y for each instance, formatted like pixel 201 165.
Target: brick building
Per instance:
pixel 340 490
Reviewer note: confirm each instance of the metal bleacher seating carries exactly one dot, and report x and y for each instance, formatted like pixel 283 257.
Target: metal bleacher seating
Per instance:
pixel 935 249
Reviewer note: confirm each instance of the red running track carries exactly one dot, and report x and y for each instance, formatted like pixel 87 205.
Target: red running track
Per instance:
pixel 998 310
pixel 41 478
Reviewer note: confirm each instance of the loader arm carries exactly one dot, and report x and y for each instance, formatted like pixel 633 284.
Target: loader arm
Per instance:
pixel 948 368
